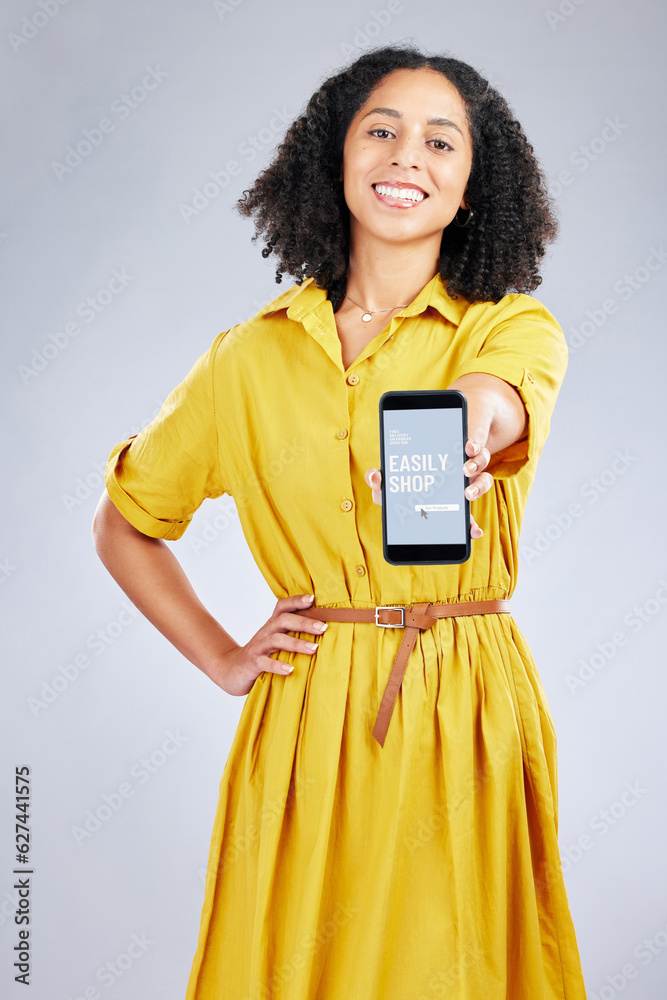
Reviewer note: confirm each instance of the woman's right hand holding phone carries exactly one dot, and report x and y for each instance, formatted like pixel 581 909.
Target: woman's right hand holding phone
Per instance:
pixel 480 481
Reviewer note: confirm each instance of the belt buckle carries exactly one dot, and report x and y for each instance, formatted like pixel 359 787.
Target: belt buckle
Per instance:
pixel 390 607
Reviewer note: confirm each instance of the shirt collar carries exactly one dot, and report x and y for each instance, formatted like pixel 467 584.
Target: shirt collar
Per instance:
pixel 302 299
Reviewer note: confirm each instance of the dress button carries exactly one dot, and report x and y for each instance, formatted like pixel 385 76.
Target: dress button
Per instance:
pixel 361 571
pixel 530 377
pixel 346 505
pixel 352 379
pixel 342 434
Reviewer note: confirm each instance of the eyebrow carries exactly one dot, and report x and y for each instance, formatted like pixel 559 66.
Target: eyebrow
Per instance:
pixel 397 114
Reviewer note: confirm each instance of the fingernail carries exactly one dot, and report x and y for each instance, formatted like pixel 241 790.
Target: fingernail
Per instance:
pixel 288 670
pixel 307 598
pixel 475 446
pixel 312 646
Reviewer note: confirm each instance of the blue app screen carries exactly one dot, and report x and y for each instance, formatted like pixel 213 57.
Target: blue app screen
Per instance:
pixel 423 466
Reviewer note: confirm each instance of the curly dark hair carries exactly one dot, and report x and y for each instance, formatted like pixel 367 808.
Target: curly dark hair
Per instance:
pixel 300 210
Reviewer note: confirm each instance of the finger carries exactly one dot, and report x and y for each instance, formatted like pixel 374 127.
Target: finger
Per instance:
pixel 266 664
pixel 274 665
pixel 279 641
pixel 292 603
pixel 297 623
pixel 478 462
pixel 264 660
pixel 475 530
pixel 373 479
pixel 479 485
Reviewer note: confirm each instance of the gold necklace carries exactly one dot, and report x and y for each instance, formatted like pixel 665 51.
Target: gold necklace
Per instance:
pixel 368 314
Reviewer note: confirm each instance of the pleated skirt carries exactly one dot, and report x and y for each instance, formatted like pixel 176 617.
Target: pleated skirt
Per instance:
pixel 425 868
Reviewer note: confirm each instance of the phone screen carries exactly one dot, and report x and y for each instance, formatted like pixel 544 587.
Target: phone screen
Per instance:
pixel 426 517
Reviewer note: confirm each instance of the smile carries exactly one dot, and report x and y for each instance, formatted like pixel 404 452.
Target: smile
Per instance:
pixel 399 197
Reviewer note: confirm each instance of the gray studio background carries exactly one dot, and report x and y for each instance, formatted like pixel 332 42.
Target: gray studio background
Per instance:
pixel 118 275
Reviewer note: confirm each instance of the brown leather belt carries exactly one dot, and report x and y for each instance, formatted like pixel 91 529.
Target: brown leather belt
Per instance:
pixel 411 617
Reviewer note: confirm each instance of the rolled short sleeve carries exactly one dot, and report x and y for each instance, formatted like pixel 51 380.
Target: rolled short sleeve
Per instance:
pixel 158 478
pixel 528 349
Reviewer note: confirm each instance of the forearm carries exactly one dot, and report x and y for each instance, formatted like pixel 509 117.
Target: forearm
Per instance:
pixel 151 576
pixel 496 414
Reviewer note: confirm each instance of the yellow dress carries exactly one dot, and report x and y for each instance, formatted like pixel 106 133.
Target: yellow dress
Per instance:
pixel 338 868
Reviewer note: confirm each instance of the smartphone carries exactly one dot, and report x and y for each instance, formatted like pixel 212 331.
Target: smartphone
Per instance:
pixel 425 513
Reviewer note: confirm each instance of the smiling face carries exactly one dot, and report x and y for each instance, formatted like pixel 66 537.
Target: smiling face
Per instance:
pixel 410 134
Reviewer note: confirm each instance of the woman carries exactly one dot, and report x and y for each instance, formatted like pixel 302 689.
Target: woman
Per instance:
pixel 409 851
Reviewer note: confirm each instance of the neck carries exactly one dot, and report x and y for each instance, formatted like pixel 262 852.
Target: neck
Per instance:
pixel 381 276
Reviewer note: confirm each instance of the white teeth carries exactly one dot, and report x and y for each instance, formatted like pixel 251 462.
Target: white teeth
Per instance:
pixel 403 194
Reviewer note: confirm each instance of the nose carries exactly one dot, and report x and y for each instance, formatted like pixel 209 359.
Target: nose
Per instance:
pixel 407 152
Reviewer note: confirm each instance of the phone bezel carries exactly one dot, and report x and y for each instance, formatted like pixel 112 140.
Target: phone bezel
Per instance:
pixel 425 555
